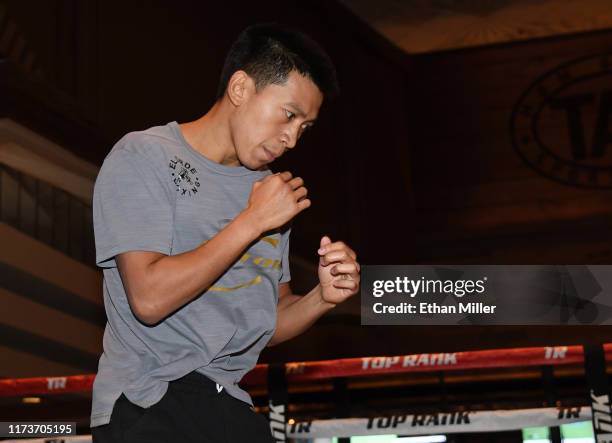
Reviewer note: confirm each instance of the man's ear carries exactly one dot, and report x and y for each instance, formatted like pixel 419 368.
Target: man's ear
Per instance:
pixel 240 87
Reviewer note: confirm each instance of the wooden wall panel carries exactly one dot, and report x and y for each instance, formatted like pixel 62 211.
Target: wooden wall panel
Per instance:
pixel 53 324
pixel 43 262
pixel 470 181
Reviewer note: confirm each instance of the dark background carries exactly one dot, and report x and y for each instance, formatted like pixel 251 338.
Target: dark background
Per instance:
pixel 413 163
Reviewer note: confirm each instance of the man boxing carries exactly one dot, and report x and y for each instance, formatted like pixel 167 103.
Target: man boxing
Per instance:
pixel 192 233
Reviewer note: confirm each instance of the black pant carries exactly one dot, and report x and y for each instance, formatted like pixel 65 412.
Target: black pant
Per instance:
pixel 191 411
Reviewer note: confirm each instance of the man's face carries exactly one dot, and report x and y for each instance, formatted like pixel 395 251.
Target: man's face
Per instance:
pixel 272 120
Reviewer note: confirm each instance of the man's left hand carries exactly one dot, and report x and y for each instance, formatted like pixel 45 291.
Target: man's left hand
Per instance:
pixel 338 271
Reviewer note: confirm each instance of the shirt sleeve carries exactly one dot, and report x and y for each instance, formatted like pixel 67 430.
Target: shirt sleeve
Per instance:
pixel 285 274
pixel 132 205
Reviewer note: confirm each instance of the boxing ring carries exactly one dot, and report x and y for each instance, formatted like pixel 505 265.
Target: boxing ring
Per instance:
pixel 277 378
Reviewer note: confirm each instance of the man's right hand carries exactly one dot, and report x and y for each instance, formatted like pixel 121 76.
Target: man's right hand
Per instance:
pixel 275 200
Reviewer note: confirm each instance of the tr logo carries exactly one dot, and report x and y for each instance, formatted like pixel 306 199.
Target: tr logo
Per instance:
pixel 56 383
pixel 562 125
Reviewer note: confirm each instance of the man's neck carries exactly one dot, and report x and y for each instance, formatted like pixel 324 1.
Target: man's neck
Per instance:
pixel 211 135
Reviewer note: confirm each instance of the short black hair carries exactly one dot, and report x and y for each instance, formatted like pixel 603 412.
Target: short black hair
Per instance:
pixel 268 52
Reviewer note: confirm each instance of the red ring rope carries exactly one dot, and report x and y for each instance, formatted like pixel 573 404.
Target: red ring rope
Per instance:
pixel 347 367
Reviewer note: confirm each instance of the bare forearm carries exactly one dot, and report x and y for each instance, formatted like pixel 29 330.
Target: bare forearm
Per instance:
pixel 174 280
pixel 295 314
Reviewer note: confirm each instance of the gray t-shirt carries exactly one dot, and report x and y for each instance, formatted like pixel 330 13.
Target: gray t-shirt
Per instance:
pixel 154 192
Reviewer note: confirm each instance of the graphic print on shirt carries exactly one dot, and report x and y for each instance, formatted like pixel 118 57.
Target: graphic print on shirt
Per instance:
pixel 184 176
pixel 257 261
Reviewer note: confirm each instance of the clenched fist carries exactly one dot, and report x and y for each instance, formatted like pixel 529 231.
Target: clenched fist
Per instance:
pixel 275 200
pixel 339 271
